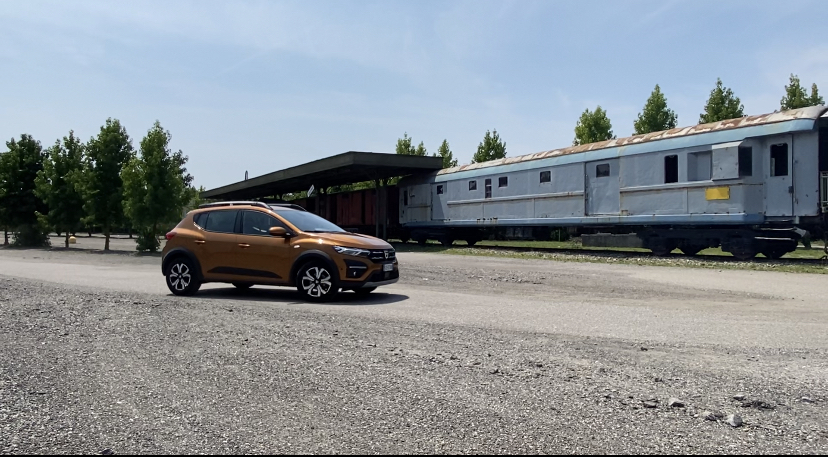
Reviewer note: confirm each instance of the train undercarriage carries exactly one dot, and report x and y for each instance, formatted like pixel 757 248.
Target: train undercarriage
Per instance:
pixel 743 242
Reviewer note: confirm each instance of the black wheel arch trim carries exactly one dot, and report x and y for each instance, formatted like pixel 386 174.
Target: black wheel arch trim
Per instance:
pixel 306 256
pixel 182 252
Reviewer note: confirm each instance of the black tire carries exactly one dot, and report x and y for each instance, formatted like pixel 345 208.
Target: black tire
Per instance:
pixel 364 291
pixel 316 281
pixel 181 277
pixel 242 286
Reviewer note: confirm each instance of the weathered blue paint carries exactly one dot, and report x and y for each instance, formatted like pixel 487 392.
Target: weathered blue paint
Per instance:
pixel 689 219
pixel 698 140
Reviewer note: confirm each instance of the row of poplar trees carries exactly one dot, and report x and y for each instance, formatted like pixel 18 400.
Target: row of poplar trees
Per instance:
pixel 594 126
pixel 103 183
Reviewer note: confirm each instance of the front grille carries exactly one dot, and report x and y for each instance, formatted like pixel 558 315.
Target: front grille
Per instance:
pixel 379 255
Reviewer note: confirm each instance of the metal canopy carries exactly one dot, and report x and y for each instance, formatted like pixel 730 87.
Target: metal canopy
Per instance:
pixel 347 168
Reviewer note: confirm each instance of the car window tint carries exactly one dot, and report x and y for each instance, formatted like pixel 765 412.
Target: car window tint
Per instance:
pixel 221 221
pixel 256 223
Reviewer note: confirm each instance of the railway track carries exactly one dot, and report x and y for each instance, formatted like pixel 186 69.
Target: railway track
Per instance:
pixel 622 253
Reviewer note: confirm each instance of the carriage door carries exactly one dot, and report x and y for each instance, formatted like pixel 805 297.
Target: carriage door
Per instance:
pixel 603 192
pixel 416 204
pixel 779 190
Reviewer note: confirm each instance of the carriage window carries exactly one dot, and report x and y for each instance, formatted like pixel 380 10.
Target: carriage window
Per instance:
pixel 439 190
pixel 488 183
pixel 670 169
pixel 602 171
pixel 700 166
pixel 745 161
pixel 503 181
pixel 405 198
pixel 779 159
pixel 472 185
pixel 545 176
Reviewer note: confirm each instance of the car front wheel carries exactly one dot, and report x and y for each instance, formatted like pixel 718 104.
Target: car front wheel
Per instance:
pixel 181 277
pixel 316 282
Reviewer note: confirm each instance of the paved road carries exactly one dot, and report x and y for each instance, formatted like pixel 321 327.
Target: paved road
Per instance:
pixel 464 355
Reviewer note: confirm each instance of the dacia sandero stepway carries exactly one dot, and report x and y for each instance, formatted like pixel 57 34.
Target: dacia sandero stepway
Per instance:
pixel 253 243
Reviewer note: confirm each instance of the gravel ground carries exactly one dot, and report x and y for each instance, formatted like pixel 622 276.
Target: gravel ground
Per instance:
pixel 88 370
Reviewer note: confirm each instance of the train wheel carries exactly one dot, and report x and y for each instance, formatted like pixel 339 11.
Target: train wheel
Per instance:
pixel 690 249
pixel 774 254
pixel 446 240
pixel 744 255
pixel 662 247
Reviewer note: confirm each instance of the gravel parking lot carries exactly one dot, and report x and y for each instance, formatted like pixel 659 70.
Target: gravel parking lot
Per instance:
pixel 464 355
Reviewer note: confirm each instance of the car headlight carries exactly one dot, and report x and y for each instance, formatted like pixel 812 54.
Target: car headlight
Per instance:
pixel 357 252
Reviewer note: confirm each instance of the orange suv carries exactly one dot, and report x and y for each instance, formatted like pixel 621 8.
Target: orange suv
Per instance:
pixel 250 243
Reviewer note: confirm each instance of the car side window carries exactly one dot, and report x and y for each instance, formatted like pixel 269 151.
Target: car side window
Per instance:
pixel 221 221
pixel 258 223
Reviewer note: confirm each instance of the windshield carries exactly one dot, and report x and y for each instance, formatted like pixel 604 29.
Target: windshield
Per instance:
pixel 308 222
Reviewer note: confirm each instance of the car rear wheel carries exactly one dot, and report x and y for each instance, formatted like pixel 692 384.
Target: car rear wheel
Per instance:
pixel 181 277
pixel 316 282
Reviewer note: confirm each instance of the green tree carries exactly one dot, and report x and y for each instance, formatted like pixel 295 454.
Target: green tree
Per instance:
pixel 656 117
pixel 448 158
pixel 103 188
pixel 404 146
pixel 797 96
pixel 816 99
pixel 593 127
pixel 721 105
pixel 421 150
pixel 491 148
pixel 21 205
pixel 156 187
pixel 59 183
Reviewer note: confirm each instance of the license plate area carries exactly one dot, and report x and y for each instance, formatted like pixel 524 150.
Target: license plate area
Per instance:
pixel 388 267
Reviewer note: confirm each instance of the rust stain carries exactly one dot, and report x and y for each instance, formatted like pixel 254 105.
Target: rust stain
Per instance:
pixel 813 112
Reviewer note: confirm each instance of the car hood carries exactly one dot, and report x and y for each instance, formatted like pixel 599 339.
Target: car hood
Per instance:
pixel 352 240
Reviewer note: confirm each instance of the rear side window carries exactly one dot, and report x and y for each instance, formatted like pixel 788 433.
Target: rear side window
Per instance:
pixel 257 223
pixel 199 219
pixel 221 221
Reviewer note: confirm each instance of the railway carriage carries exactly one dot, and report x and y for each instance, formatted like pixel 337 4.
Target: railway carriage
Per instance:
pixel 750 185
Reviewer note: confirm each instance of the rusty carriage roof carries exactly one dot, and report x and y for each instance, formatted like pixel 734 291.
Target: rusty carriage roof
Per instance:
pixel 813 112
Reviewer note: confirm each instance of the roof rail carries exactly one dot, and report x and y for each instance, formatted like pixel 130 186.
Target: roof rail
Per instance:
pixel 290 205
pixel 235 203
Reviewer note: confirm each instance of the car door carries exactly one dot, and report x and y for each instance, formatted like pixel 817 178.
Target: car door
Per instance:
pixel 261 256
pixel 216 247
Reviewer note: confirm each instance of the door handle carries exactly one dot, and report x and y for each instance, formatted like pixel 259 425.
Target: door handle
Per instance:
pixel 244 245
pixel 200 241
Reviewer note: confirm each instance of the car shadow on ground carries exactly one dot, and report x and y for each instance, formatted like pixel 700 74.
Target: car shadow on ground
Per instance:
pixel 292 297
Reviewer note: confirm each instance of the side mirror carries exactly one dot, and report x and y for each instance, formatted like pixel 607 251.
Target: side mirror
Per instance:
pixel 278 231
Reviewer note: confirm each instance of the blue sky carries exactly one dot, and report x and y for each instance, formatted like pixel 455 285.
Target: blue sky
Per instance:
pixel 260 86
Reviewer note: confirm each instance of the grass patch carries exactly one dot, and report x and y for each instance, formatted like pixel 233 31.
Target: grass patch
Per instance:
pixel 629 257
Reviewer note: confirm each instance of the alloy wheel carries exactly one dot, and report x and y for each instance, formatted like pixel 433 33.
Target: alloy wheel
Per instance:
pixel 180 277
pixel 317 282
